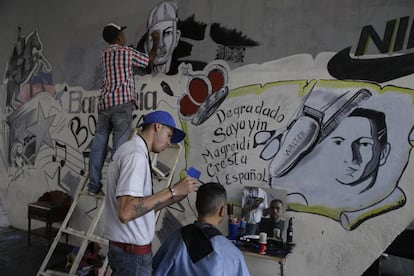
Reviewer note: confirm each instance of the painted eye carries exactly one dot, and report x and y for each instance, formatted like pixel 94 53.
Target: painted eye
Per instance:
pixel 366 142
pixel 337 141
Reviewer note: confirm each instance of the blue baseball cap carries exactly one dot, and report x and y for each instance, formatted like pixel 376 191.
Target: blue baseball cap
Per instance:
pixel 166 119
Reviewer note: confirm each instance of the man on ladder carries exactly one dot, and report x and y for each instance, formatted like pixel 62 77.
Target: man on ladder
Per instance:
pixel 130 205
pixel 117 98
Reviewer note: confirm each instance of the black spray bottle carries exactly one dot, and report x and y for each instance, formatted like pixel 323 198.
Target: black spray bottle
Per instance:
pixel 289 234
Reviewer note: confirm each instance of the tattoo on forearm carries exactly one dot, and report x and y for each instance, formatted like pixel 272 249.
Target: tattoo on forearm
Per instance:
pixel 157 205
pixel 139 209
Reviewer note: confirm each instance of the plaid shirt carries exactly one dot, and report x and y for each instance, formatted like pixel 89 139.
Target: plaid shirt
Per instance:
pixel 118 86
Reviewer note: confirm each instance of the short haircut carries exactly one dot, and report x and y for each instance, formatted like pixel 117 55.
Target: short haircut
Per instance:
pixel 377 120
pixel 274 201
pixel 210 197
pixel 379 134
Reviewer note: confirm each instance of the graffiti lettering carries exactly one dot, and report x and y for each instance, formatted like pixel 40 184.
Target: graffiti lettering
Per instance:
pixel 295 141
pixel 235 159
pixel 342 66
pixel 247 177
pixel 230 130
pixel 260 110
pixel 79 131
pixel 88 105
pixel 237 124
pixel 147 100
pixel 222 151
pixel 80 104
pixel 384 45
pixel 233 129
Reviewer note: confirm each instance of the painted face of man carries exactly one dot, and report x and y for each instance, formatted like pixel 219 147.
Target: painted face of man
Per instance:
pixel 351 150
pixel 169 37
pixel 344 165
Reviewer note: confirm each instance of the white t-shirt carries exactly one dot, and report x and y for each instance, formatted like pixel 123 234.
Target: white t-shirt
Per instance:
pixel 249 195
pixel 129 174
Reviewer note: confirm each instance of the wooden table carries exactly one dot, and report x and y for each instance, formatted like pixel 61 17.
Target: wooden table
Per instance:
pixel 279 258
pixel 48 213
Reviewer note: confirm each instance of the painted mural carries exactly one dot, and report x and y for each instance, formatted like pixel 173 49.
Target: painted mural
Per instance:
pixel 333 129
pixel 358 147
pixel 29 88
pixel 180 40
pixel 288 148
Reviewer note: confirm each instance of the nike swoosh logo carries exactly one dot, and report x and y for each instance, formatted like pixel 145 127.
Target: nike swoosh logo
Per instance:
pixel 342 66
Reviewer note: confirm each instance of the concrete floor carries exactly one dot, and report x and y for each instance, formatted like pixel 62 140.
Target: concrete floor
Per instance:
pixel 17 258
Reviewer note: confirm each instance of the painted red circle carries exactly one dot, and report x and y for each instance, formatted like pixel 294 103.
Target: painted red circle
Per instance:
pixel 187 107
pixel 217 80
pixel 198 89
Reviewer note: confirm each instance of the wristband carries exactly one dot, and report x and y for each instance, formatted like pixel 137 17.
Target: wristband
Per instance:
pixel 172 191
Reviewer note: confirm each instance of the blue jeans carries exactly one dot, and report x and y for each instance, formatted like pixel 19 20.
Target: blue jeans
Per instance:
pixel 118 120
pixel 125 264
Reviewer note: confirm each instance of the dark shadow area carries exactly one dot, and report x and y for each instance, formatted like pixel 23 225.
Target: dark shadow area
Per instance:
pixel 17 258
pixel 398 258
pixel 403 245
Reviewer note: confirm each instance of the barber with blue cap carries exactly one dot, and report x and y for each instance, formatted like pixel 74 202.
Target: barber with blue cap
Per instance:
pixel 130 205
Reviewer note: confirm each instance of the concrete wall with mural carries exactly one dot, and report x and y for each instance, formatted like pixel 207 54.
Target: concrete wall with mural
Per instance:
pixel 311 97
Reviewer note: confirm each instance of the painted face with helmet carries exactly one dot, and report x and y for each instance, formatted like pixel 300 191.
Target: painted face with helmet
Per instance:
pixel 163 18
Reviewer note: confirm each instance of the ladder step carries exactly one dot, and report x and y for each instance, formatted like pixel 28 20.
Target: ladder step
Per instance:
pixel 86 193
pixel 74 232
pixel 99 240
pixel 81 234
pixel 50 272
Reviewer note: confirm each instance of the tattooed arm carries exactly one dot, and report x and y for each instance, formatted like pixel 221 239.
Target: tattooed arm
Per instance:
pixel 130 208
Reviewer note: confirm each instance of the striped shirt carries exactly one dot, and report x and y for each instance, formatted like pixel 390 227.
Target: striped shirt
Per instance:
pixel 118 85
